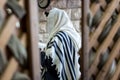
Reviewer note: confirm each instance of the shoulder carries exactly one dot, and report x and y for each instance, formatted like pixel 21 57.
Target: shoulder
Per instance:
pixel 60 35
pixel 59 38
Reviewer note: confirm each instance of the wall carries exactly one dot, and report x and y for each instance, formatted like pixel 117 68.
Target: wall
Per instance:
pixel 72 7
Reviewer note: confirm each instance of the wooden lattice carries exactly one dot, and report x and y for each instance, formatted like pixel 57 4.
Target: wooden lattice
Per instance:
pixel 110 11
pixel 27 35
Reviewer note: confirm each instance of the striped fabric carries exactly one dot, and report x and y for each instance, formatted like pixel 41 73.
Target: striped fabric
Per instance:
pixel 61 58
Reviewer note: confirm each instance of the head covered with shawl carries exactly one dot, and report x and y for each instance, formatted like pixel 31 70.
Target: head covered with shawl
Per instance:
pixel 58 20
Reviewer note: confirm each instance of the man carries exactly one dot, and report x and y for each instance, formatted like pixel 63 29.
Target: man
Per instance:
pixel 60 58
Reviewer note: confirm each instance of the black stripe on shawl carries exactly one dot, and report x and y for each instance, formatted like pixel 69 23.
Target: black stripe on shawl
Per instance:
pixel 60 55
pixel 66 42
pixel 68 51
pixel 67 56
pixel 72 48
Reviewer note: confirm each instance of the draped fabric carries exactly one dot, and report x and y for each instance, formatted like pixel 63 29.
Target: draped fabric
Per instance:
pixel 61 59
pixel 58 20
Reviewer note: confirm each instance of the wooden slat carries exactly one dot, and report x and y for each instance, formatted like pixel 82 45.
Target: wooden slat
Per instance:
pixel 4 37
pixel 105 17
pixel 94 8
pixel 85 38
pixel 104 45
pixel 106 67
pixel 8 28
pixel 109 38
pixel 118 56
pixel 117 72
pixel 13 64
pixel 23 39
pixel 32 29
pixel 118 8
pixel 111 45
pixel 103 3
pixel 2 3
pixel 10 70
pixel 21 3
pixel 7 31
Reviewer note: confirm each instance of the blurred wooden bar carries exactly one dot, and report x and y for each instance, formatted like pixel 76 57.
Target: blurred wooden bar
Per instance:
pixel 85 38
pixel 32 30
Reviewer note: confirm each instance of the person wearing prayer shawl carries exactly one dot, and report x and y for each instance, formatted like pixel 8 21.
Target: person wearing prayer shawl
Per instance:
pixel 60 59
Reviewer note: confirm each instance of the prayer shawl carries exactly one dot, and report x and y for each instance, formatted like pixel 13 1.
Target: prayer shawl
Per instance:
pixel 61 55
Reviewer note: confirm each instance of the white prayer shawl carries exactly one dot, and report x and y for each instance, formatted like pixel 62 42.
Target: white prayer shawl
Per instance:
pixel 58 21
